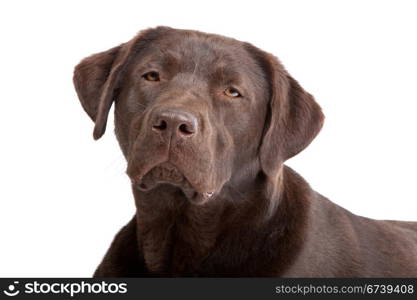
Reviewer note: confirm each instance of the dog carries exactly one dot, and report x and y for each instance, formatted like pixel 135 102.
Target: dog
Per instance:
pixel 206 123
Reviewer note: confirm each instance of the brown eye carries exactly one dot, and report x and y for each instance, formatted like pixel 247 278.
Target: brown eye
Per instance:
pixel 232 92
pixel 151 76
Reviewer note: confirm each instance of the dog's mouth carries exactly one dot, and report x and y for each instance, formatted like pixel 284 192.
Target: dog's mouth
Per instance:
pixel 167 173
pixel 163 173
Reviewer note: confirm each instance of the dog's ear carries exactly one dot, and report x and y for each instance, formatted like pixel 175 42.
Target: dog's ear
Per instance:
pixel 294 117
pixel 97 78
pixel 92 85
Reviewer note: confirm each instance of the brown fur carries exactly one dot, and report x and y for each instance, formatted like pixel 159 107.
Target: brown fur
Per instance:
pixel 213 196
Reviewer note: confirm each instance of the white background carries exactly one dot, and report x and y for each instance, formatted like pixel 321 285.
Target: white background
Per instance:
pixel 63 196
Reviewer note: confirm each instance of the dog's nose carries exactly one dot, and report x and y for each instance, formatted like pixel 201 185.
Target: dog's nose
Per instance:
pixel 177 122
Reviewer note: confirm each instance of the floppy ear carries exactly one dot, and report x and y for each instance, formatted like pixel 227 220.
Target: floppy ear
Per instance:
pixel 294 117
pixel 94 89
pixel 97 78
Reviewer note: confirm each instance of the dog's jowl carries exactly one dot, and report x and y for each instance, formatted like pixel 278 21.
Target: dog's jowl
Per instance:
pixel 206 124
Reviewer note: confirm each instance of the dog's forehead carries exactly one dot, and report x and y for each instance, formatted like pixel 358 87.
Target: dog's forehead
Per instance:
pixel 200 47
pixel 206 52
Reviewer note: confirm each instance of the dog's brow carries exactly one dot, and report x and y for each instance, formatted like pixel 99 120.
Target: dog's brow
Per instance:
pixel 226 74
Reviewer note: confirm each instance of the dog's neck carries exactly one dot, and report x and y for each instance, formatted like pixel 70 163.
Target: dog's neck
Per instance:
pixel 179 238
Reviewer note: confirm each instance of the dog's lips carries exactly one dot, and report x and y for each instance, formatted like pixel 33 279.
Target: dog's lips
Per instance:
pixel 202 198
pixel 162 173
pixel 167 173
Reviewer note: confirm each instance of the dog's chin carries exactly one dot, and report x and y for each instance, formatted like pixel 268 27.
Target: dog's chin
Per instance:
pixel 167 173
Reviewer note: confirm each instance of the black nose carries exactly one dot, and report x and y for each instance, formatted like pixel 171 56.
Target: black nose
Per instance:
pixel 177 122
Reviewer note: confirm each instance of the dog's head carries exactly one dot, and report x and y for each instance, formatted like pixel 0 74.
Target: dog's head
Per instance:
pixel 196 110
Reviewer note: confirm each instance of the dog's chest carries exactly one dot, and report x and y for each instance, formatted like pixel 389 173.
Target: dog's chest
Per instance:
pixel 177 244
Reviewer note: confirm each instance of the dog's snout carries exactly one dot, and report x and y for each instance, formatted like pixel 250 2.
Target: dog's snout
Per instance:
pixel 177 122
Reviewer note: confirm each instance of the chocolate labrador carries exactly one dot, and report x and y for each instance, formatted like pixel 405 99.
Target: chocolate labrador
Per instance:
pixel 206 123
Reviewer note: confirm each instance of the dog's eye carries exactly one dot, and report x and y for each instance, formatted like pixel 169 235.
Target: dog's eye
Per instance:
pixel 151 76
pixel 232 92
